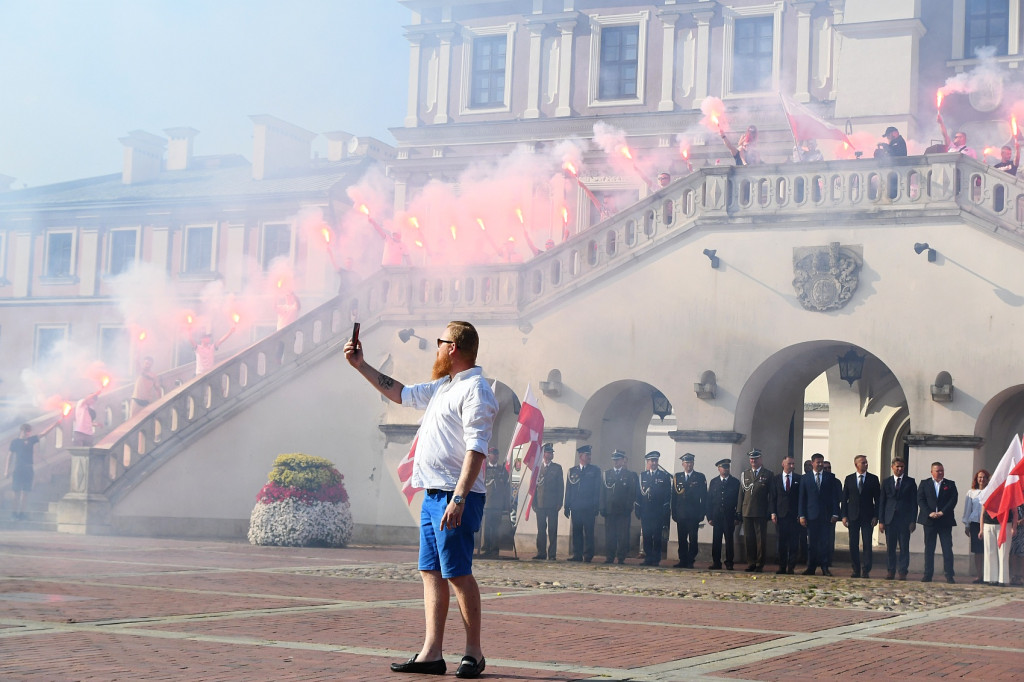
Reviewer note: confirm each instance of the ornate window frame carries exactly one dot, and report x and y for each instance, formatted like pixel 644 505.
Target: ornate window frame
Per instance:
pixel 730 15
pixel 1013 56
pixel 469 35
pixel 598 22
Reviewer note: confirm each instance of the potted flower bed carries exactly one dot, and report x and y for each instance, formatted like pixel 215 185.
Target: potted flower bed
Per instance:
pixel 304 504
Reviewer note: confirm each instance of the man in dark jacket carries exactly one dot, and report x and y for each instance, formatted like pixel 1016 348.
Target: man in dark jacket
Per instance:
pixel 785 501
pixel 859 511
pixel 618 497
pixel 897 509
pixel 688 509
pixel 936 500
pixel 723 494
pixel 582 500
pixel 818 510
pixel 653 506
pixel 497 504
pixel 547 501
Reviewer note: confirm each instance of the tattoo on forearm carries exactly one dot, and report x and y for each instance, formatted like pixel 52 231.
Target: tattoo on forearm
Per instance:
pixel 385 382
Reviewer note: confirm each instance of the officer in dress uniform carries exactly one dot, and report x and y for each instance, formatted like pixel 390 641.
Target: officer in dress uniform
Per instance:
pixel 723 493
pixel 582 500
pixel 653 506
pixel 497 504
pixel 547 500
pixel 755 508
pixel 618 497
pixel 689 507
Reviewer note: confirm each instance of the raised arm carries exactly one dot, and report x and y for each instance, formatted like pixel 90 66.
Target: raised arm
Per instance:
pixel 388 387
pixel 224 338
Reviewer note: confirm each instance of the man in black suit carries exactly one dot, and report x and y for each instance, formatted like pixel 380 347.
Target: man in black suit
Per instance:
pixel 936 500
pixel 723 494
pixel 547 500
pixel 618 498
pixel 784 503
pixel 582 499
pixel 818 510
pixel 688 509
pixel 859 510
pixel 897 507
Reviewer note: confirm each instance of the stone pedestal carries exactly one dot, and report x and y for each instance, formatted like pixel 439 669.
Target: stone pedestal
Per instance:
pixel 85 509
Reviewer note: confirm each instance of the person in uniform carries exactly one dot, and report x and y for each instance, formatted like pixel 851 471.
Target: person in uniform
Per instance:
pixel 785 500
pixel 618 496
pixel 497 504
pixel 723 494
pixel 582 499
pixel 755 493
pixel 547 501
pixel 653 506
pixel 688 509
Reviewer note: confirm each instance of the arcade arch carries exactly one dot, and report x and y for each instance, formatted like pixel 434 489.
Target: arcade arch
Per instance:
pixel 998 421
pixel 618 416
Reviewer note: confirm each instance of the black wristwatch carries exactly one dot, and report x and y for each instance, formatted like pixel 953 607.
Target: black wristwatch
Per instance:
pixel 459 499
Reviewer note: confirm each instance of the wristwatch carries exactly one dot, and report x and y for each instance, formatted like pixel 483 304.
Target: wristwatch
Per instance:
pixel 459 499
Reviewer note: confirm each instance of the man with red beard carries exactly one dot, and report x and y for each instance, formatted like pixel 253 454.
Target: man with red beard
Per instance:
pixel 452 439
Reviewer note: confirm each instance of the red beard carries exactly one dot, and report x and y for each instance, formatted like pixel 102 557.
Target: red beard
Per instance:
pixel 442 367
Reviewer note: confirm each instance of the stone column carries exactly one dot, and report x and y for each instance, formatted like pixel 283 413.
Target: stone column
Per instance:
pixel 85 510
pixel 801 89
pixel 701 64
pixel 444 73
pixel 412 112
pixel 533 86
pixel 837 41
pixel 668 61
pixel 565 68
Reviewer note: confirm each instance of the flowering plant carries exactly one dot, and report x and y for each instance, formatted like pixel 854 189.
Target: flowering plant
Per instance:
pixel 305 503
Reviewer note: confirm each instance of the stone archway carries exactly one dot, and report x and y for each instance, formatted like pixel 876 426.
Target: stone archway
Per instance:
pixel 998 421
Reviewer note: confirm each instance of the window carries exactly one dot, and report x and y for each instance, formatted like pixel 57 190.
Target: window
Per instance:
pixel 115 350
pixel 59 248
pixel 198 249
pixel 986 25
pixel 48 340
pixel 488 79
pixel 753 41
pixel 619 62
pixel 277 243
pixel 123 251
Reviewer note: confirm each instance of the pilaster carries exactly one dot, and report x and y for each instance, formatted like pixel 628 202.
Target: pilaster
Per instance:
pixel 668 60
pixel 565 68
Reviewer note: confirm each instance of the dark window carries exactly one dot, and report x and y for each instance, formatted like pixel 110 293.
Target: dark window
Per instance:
pixel 987 25
pixel 752 54
pixel 122 251
pixel 277 243
pixel 47 339
pixel 114 348
pixel 199 249
pixel 619 62
pixel 488 85
pixel 58 254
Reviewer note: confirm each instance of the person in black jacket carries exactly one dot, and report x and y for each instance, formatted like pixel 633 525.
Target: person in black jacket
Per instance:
pixel 653 506
pixel 859 511
pixel 582 499
pixel 547 500
pixel 723 494
pixel 688 509
pixel 897 508
pixel 618 498
pixel 818 511
pixel 497 504
pixel 936 502
pixel 784 503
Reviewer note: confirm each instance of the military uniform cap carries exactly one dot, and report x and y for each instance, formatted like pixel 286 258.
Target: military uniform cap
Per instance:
pixel 548 447
pixel 653 454
pixel 754 454
pixel 724 463
pixel 584 448
pixel 687 457
pixel 618 454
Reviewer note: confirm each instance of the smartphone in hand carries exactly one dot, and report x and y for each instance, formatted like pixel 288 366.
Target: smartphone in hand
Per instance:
pixel 355 333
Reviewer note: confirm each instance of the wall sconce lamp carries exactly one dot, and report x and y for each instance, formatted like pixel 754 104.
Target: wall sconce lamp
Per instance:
pixel 662 407
pixel 706 387
pixel 921 247
pixel 851 366
pixel 942 389
pixel 710 253
pixel 406 334
pixel 553 386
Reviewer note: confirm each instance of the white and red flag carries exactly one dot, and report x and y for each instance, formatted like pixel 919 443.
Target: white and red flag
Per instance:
pixel 1004 493
pixel 529 434
pixel 807 126
pixel 405 472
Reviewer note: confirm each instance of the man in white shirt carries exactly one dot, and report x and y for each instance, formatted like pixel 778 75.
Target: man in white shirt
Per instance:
pixel 452 439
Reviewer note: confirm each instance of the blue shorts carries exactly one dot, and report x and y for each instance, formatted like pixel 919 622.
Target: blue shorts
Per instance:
pixel 450 550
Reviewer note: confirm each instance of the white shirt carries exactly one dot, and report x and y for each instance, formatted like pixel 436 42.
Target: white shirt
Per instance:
pixel 972 506
pixel 459 416
pixel 83 418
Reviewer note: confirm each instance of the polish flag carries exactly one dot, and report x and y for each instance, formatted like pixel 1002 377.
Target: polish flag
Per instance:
pixel 1004 492
pixel 405 472
pixel 529 432
pixel 807 126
